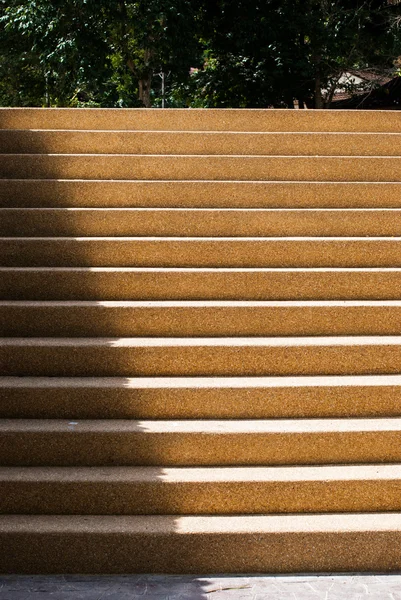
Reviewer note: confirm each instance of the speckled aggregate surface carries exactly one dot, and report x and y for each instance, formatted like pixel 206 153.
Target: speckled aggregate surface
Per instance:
pixel 199 318
pixel 198 252
pixel 201 167
pixel 217 222
pixel 201 397
pixel 202 194
pixel 190 142
pixel 219 587
pixel 211 475
pixel 200 490
pixel 202 119
pixel 166 357
pixel 112 283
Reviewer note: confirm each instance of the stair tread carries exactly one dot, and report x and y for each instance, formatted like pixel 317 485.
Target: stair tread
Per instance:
pixel 154 342
pixel 206 269
pixel 346 157
pixel 197 210
pixel 200 303
pixel 204 239
pixel 227 524
pixel 222 183
pixel 203 427
pixel 199 182
pixel 323 473
pixel 203 132
pixel 201 382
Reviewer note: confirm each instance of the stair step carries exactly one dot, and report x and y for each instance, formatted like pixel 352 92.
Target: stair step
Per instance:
pixel 53 141
pixel 136 166
pixel 202 194
pixel 197 318
pixel 197 222
pixel 201 397
pixel 201 252
pixel 96 283
pixel 200 368
pixel 200 544
pixel 108 442
pixel 258 120
pixel 199 490
pixel 166 357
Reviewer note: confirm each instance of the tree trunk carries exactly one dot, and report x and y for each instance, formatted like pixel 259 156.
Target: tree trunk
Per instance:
pixel 331 92
pixel 144 90
pixel 318 89
pixel 289 102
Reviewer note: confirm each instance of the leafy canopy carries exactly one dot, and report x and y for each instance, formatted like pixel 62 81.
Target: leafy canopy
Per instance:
pixel 213 54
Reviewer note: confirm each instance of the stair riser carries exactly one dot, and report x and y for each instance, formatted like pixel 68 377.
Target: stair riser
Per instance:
pixel 243 168
pixel 37 284
pixel 197 222
pixel 101 360
pixel 182 252
pixel 102 321
pixel 275 552
pixel 141 448
pixel 161 142
pixel 202 194
pixel 201 120
pixel 199 403
pixel 158 498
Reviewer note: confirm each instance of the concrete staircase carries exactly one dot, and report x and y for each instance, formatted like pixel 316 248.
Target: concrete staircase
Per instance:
pixel 201 361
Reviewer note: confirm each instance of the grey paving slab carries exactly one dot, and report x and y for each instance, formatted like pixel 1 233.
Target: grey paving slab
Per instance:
pixel 160 587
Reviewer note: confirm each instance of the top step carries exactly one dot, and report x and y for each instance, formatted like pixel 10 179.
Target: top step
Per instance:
pixel 201 119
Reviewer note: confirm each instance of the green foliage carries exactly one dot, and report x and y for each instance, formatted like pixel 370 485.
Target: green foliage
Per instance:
pixel 270 52
pixel 62 44
pixel 214 54
pixel 96 52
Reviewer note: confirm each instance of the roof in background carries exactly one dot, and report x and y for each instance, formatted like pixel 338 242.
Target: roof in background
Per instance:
pixel 381 96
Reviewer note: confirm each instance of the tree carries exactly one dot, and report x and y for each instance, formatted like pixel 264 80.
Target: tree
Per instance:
pixel 268 53
pixel 97 51
pixel 217 54
pixel 153 36
pixel 252 55
pixel 345 35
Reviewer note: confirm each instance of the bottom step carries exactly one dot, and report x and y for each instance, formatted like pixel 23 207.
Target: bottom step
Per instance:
pixel 168 544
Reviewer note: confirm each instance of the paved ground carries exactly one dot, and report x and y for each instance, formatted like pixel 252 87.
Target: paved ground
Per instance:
pixel 151 587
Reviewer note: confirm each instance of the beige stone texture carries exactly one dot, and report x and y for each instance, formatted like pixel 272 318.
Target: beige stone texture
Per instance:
pixel 215 143
pixel 201 252
pixel 97 283
pixel 200 318
pixel 200 368
pixel 199 222
pixel 71 193
pixel 201 397
pixel 245 120
pixel 237 544
pixel 205 167
pixel 37 442
pixel 199 490
pixel 166 357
